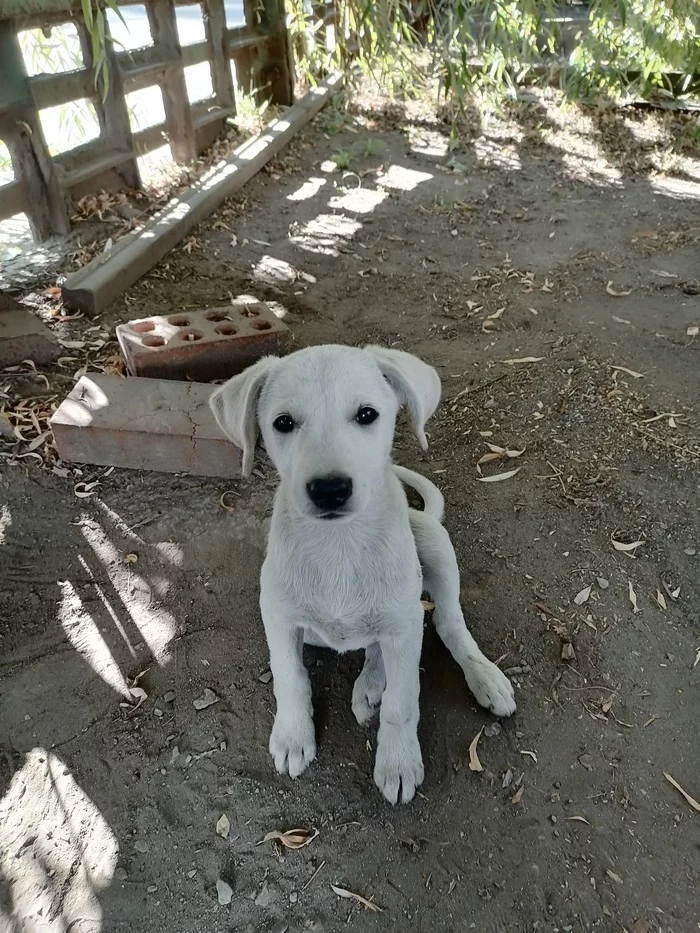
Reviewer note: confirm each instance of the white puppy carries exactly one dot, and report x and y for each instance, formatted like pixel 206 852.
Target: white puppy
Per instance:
pixel 347 559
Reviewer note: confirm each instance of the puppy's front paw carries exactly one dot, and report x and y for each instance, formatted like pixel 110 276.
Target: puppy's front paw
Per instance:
pixel 491 687
pixel 292 744
pixel 398 769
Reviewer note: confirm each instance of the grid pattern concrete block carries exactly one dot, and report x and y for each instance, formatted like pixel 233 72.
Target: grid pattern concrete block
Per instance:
pixel 143 424
pixel 211 344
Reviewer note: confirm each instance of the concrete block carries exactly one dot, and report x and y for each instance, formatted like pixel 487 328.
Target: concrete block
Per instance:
pixel 202 345
pixel 143 424
pixel 24 337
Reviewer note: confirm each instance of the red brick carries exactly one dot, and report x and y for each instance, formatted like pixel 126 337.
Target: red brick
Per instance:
pixel 143 424
pixel 24 337
pixel 210 344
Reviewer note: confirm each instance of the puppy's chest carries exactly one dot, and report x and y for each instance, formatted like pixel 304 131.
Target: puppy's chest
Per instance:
pixel 348 602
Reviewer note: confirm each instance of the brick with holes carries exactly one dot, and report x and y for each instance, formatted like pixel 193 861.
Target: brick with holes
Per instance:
pixel 201 345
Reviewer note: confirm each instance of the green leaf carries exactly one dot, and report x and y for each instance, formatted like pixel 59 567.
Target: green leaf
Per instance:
pixel 86 6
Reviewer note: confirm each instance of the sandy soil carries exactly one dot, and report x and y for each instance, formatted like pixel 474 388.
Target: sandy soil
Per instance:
pixel 499 250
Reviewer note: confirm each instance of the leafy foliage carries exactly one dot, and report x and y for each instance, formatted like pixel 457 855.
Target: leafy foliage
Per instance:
pixel 612 48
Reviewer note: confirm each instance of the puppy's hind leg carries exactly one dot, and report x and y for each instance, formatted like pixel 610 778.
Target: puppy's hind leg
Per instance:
pixel 487 682
pixel 369 686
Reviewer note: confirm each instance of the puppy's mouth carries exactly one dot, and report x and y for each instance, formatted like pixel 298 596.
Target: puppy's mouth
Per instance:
pixel 333 515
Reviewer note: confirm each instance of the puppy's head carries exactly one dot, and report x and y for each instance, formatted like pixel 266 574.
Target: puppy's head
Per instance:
pixel 327 418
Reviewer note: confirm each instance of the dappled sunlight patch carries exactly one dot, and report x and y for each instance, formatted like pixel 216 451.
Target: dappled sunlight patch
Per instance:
pixel 5 522
pixel 308 190
pixel 496 154
pixel 273 271
pixel 82 632
pixel 155 624
pixel 57 851
pixel 360 200
pixel 677 188
pixel 402 179
pixel 325 233
pixel 428 142
pixel 591 170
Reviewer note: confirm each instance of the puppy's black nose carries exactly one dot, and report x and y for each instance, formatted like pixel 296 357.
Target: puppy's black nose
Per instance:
pixel 329 492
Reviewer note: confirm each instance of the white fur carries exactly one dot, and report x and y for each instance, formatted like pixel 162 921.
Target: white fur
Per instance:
pixel 355 581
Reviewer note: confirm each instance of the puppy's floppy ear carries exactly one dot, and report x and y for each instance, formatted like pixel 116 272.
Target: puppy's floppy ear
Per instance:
pixel 235 407
pixel 416 385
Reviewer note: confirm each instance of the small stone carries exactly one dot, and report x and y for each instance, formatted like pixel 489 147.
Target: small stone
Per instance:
pixel 519 735
pixel 266 677
pixel 264 899
pixel 586 762
pixel 169 696
pixel 602 583
pixel 293 897
pixel 553 818
pixel 174 755
pixel 158 712
pixel 192 872
pixel 690 551
pixel 280 927
pixel 224 892
pixel 492 729
pixel 490 403
pixel 208 698
pixel 120 874
pixel 141 846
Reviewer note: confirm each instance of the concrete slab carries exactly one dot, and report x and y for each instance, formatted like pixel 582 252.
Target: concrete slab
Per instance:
pixel 24 337
pixel 143 424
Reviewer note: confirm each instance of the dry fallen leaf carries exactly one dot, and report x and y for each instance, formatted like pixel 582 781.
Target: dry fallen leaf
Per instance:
pixel 582 597
pixel 223 826
pixel 227 507
pixel 523 359
pixel 660 599
pixel 691 800
pixel 630 372
pixel 518 795
pixel 474 763
pixel 85 490
pixel 633 598
pixel 427 604
pixel 343 892
pixel 625 547
pixel 499 476
pixel 291 838
pixel 615 293
pixel 579 819
pixel 139 695
pixel 567 652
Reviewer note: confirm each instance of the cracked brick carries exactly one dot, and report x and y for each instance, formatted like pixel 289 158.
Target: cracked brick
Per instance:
pixel 143 424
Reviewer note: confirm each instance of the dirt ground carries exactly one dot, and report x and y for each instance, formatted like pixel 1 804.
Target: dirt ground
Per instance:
pixel 566 238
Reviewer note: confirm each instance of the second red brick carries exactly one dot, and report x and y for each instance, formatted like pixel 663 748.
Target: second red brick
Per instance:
pixel 201 345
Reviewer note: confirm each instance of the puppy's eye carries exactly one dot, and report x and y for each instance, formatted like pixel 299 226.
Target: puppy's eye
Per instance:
pixel 366 415
pixel 284 424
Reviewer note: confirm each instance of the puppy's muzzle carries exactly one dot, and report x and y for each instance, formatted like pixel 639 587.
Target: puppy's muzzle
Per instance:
pixel 330 494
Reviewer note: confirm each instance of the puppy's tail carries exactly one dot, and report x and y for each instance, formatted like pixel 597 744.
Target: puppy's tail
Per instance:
pixel 433 501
